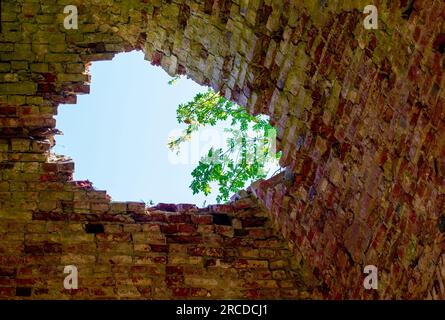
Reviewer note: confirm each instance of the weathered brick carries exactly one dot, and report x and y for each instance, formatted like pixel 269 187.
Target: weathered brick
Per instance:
pixel 359 119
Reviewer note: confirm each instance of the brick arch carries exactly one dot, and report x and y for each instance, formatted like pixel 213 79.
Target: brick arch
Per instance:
pixel 360 121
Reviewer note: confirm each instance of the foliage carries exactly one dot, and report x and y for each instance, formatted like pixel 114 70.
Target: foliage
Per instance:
pixel 174 80
pixel 249 148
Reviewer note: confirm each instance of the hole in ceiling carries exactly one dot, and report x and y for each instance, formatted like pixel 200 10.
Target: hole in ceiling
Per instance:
pixel 117 135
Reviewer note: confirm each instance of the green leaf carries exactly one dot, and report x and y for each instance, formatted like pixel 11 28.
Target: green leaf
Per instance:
pixel 245 158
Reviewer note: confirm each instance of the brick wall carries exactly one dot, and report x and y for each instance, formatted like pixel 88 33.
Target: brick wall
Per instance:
pixel 125 251
pixel 364 136
pixel 360 119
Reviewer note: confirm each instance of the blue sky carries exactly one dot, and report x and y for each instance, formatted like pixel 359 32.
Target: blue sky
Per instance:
pixel 117 135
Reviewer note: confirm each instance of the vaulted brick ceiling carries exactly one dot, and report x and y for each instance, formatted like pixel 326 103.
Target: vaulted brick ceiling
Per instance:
pixel 361 124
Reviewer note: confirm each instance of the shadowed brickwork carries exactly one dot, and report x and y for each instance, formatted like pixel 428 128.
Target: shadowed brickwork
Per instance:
pixel 170 251
pixel 361 123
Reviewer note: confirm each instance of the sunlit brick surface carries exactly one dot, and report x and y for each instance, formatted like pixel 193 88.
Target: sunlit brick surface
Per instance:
pixel 361 123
